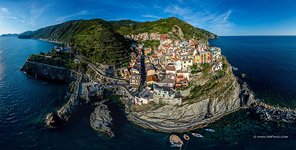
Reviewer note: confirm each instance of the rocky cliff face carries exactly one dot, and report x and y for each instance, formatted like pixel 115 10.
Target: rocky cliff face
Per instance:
pixel 48 72
pixel 219 100
pixel 188 116
pixel 60 74
pixel 100 119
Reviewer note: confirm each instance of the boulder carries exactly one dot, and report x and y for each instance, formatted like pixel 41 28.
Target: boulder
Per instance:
pixel 52 120
pixel 101 120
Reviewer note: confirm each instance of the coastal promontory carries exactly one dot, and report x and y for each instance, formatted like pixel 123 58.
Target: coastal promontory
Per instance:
pixel 163 73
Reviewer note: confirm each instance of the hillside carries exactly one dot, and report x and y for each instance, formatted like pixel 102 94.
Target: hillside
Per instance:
pixel 103 41
pixel 162 26
pixel 9 35
pixel 94 39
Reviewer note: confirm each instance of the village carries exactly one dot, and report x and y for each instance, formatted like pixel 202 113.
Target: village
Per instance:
pixel 159 74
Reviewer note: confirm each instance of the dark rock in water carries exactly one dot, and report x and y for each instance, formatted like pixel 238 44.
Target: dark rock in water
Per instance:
pixel 53 120
pixel 100 119
pixel 72 104
pixel 273 114
pixel 243 75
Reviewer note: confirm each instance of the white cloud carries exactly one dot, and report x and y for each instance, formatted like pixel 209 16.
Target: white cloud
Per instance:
pixel 81 13
pixel 36 12
pixel 5 14
pixel 176 10
pixel 151 16
pixel 218 23
pixel 3 10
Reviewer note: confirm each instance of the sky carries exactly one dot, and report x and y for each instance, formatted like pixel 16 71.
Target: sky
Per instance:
pixel 222 17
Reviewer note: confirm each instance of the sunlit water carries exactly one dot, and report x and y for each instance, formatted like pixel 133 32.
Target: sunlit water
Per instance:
pixel 25 101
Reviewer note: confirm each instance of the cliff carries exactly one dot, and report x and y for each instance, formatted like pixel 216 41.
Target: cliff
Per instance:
pixel 222 98
pixel 57 74
pixel 101 120
pixel 49 72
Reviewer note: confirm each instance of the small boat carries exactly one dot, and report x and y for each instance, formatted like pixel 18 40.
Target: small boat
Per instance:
pixel 186 137
pixel 197 135
pixel 176 141
pixel 234 68
pixel 210 130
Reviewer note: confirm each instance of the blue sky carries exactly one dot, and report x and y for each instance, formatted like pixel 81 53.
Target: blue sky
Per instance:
pixel 223 17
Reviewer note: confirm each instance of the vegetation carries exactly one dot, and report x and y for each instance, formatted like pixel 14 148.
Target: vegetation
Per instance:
pixel 184 88
pixel 100 44
pixel 219 74
pixel 162 26
pixel 150 44
pixel 95 39
pixel 9 35
pixel 224 64
pixel 103 41
pixel 200 90
pixel 195 69
pixel 59 59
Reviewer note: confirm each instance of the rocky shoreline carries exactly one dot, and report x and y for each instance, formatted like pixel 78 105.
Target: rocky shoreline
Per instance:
pixel 101 120
pixel 263 111
pixel 49 72
pixel 272 114
pixel 209 110
pixel 57 74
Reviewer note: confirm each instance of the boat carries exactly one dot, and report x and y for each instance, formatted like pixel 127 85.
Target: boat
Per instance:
pixel 197 135
pixel 176 141
pixel 234 68
pixel 186 137
pixel 210 130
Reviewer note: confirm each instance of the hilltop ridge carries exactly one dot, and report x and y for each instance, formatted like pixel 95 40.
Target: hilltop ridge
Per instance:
pixel 108 42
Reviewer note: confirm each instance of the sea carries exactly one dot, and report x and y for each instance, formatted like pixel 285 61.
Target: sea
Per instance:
pixel 268 61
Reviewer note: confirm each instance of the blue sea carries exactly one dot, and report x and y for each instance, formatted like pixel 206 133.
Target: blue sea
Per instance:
pixel 269 62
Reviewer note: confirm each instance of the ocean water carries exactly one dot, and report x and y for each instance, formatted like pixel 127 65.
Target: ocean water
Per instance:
pixel 268 61
pixel 24 102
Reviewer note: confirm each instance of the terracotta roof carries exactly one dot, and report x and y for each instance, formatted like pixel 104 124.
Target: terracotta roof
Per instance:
pixel 152 78
pixel 154 56
pixel 170 68
pixel 176 59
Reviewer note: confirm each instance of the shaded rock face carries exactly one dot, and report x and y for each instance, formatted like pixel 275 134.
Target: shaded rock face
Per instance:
pixel 100 119
pixel 190 115
pixel 59 74
pixel 51 73
pixel 196 111
pixel 53 120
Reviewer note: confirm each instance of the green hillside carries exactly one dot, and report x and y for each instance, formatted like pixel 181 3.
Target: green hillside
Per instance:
pixel 161 26
pixel 94 39
pixel 103 41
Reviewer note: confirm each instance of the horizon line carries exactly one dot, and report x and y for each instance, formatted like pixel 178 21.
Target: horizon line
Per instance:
pixel 217 35
pixel 261 35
